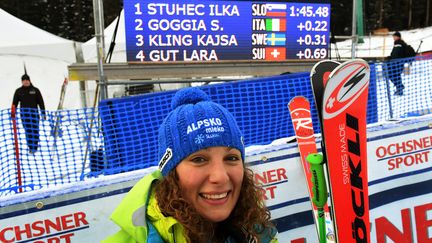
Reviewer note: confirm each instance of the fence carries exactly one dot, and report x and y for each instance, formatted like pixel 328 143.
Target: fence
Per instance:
pixel 121 134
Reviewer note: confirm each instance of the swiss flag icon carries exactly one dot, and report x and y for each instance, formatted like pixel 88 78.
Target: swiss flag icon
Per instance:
pixel 275 53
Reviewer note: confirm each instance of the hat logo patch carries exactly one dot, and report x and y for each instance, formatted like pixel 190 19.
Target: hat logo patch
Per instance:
pixel 211 125
pixel 165 158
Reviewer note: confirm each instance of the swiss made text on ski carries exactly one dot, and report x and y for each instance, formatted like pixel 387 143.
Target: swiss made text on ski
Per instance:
pixel 299 108
pixel 344 129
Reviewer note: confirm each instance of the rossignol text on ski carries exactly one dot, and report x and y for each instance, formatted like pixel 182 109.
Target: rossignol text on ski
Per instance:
pixel 301 119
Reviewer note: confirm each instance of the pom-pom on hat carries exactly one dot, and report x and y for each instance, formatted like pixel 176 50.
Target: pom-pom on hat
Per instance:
pixel 195 123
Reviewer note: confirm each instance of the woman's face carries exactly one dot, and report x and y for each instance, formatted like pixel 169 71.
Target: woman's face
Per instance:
pixel 211 180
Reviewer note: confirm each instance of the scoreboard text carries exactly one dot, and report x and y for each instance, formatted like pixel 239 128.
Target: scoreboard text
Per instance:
pixel 187 30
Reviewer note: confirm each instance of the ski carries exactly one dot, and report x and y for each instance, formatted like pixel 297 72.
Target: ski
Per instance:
pixel 319 76
pixel 55 132
pixel 344 132
pixel 299 108
pixel 55 126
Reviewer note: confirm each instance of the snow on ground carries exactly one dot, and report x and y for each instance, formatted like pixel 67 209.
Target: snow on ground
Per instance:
pixel 74 187
pixel 418 81
pixel 381 45
pixel 51 164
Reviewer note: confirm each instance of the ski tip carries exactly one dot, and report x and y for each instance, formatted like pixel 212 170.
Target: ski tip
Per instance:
pixel 297 99
pixel 357 61
pixel 324 61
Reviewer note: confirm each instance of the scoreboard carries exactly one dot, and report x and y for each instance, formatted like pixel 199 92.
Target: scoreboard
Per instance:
pixel 215 30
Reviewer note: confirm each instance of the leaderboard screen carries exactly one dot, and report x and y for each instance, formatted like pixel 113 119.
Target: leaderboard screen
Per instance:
pixel 202 31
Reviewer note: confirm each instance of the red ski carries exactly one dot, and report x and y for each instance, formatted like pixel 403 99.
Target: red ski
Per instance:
pixel 299 108
pixel 344 129
pixel 319 76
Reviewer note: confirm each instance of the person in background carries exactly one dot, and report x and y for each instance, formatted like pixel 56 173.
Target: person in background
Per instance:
pixel 395 72
pixel 202 191
pixel 30 98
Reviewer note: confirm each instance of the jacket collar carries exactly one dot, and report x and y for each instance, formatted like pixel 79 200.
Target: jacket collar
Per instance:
pixel 130 215
pixel 139 215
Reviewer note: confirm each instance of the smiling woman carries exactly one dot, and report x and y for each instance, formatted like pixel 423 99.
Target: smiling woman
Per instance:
pixel 210 180
pixel 202 191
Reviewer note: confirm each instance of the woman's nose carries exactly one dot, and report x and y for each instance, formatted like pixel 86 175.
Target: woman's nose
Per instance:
pixel 218 172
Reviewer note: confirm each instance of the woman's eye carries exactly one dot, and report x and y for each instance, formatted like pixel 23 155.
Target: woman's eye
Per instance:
pixel 198 159
pixel 232 158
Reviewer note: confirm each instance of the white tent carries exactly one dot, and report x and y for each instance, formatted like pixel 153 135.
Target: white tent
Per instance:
pixel 119 53
pixel 45 56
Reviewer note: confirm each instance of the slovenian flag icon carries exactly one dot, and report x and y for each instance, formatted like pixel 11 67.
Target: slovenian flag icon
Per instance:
pixel 275 39
pixel 275 24
pixel 276 10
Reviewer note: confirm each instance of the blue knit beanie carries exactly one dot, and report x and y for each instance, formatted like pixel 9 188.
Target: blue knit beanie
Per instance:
pixel 195 123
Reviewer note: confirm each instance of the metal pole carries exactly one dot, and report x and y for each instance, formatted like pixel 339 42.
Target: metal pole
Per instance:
pixel 15 131
pixel 354 29
pixel 410 14
pixel 359 17
pixel 386 76
pixel 100 45
pixel 82 84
